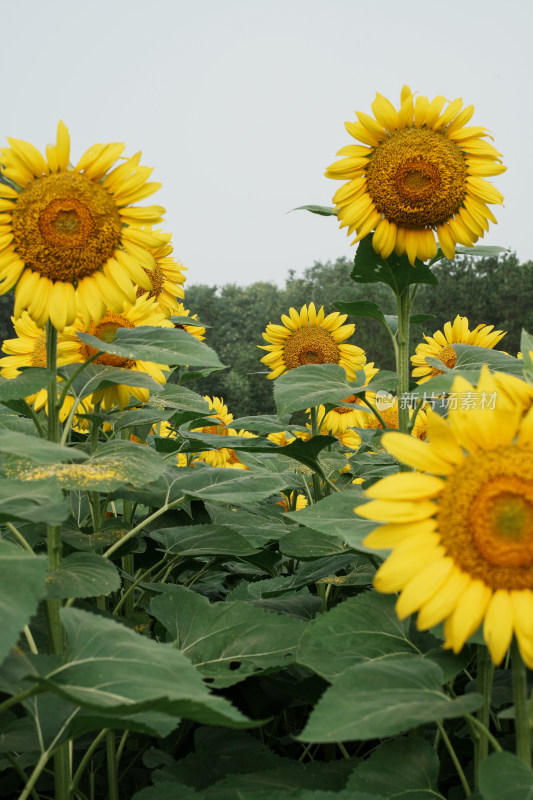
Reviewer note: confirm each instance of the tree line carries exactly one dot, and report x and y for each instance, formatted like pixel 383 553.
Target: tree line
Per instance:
pixel 495 291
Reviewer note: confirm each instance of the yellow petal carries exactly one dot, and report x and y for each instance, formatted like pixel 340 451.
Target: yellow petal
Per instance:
pixel 415 453
pixel 406 486
pixel 498 625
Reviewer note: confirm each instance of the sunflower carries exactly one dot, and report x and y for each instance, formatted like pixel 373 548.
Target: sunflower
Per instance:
pixel 301 502
pixel 196 330
pixel 143 312
pixel 166 278
pixel 390 417
pixel 309 337
pixel 461 529
pixel 419 171
pixel 440 345
pixel 70 238
pixel 340 419
pixel 29 350
pixel 221 419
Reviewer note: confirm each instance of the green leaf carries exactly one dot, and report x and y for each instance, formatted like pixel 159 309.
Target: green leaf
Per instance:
pixel 33 448
pixel 227 642
pixel 324 211
pixel 307 574
pixel 305 543
pixel 203 539
pixel 363 628
pixel 137 416
pixel 229 485
pixel 97 376
pixel 185 320
pixel 377 699
pixel 257 524
pixel 179 397
pixel 471 356
pixel 526 348
pixel 416 319
pixel 28 382
pixel 362 308
pixel 161 345
pixel 334 516
pixel 311 385
pixel 22 585
pixel 267 424
pixel 44 503
pixel 112 669
pixel 503 776
pixel 395 271
pixel 407 768
pixel 82 575
pixel 483 251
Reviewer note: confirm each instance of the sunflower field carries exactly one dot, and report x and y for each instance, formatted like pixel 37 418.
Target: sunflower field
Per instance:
pixel 332 602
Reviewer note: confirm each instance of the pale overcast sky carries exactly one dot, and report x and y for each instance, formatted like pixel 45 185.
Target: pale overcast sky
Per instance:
pixel 240 104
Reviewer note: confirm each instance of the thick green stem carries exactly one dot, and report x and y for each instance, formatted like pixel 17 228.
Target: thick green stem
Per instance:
pixel 521 710
pixel 52 607
pixel 402 363
pixel 485 675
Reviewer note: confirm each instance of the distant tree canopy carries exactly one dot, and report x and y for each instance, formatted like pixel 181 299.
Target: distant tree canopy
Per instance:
pixel 495 291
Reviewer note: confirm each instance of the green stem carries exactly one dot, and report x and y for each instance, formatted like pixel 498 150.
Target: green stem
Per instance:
pixel 317 489
pixel 85 760
pixel 112 775
pixel 134 531
pixel 19 537
pixel 485 675
pixel 456 762
pixel 522 722
pixel 128 567
pixel 69 381
pixel 20 772
pixel 36 421
pixel 18 698
pixel 133 585
pixel 479 725
pixel 52 607
pixel 375 413
pixel 402 362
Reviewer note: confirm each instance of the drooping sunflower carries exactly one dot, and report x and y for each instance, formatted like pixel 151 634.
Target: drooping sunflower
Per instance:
pixel 195 330
pixel 418 172
pixel 29 350
pixel 440 345
pixel 166 278
pixel 310 337
pixel 143 312
pixel 70 238
pixel 461 528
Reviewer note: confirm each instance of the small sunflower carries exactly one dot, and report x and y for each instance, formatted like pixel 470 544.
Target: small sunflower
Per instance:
pixel 340 419
pixel 29 350
pixel 301 502
pixel 143 312
pixel 195 330
pixel 418 172
pixel 440 345
pixel 309 337
pixel 221 419
pixel 390 417
pixel 166 278
pixel 70 238
pixel 461 529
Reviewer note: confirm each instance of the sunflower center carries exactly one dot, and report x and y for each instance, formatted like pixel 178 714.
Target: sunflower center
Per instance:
pixel 106 330
pixel 389 416
pixel 156 279
pixel 38 355
pixel 341 409
pixel 65 226
pixel 310 346
pixel 448 356
pixel 485 517
pixel 417 177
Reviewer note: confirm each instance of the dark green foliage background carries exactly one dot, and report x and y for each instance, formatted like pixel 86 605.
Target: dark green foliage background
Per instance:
pixel 492 291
